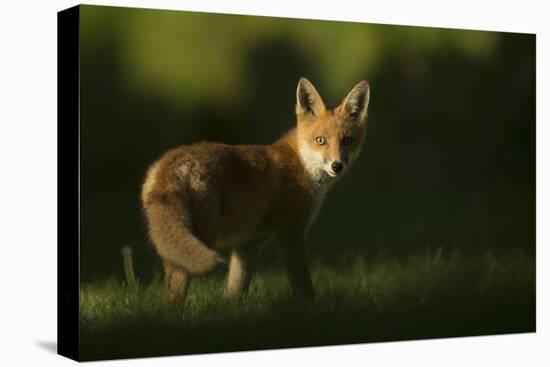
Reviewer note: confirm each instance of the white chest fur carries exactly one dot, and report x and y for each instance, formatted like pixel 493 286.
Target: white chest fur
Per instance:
pixel 313 163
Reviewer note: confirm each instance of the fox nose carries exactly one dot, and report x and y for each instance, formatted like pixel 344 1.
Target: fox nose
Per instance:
pixel 337 166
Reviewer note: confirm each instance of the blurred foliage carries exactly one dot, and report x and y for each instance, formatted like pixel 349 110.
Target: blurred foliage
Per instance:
pixel 190 58
pixel 449 157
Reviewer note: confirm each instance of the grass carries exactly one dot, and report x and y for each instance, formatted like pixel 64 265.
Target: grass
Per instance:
pixel 431 295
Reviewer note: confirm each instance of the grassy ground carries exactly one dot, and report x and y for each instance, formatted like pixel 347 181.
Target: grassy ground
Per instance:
pixel 429 296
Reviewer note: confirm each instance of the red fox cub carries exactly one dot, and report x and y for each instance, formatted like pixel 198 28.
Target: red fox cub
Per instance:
pixel 204 197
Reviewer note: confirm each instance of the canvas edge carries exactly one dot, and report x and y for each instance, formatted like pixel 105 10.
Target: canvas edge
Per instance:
pixel 68 186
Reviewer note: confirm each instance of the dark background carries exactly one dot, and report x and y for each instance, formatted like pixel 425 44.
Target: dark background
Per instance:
pixel 449 159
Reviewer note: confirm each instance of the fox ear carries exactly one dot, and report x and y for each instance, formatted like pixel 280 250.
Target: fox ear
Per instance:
pixel 308 100
pixel 356 102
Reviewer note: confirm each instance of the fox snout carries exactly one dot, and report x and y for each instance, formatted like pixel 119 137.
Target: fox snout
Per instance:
pixel 335 168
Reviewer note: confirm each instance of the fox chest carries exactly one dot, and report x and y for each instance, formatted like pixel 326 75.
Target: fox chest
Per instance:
pixel 315 206
pixel 301 211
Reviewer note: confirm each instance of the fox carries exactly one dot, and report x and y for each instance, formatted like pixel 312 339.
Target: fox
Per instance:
pixel 205 198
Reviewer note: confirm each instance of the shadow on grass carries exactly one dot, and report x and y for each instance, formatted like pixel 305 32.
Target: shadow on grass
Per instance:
pixel 429 296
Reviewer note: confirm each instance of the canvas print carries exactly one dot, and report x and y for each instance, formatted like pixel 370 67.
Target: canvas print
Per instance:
pixel 247 182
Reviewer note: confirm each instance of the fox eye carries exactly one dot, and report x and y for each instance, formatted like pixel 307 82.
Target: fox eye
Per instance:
pixel 320 140
pixel 347 140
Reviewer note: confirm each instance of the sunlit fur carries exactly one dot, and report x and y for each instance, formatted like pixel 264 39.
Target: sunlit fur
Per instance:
pixel 204 197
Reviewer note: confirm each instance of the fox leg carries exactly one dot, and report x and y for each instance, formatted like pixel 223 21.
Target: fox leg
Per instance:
pixel 240 270
pixel 294 253
pixel 176 282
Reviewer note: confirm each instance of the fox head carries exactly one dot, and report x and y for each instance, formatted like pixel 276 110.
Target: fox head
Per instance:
pixel 329 139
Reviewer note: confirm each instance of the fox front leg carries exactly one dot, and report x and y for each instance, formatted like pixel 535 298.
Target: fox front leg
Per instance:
pixel 294 254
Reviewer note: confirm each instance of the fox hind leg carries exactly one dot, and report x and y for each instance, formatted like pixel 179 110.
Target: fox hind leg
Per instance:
pixel 240 270
pixel 176 282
